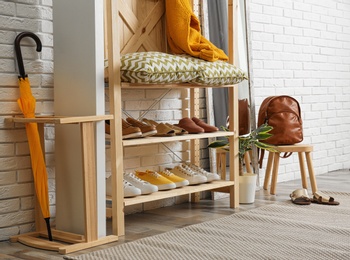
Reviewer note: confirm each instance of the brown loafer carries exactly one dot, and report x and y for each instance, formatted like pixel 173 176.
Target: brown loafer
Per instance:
pixel 190 126
pixel 207 128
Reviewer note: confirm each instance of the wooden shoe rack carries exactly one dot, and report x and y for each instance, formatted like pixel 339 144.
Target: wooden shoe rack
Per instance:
pixel 141 27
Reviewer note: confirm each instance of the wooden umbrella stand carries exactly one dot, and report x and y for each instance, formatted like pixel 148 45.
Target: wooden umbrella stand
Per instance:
pixel 65 242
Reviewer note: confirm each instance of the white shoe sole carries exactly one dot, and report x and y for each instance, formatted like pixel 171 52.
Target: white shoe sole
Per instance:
pixel 133 135
pixel 149 133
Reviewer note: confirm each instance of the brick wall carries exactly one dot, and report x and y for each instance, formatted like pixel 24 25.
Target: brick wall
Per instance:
pixel 302 48
pixel 16 181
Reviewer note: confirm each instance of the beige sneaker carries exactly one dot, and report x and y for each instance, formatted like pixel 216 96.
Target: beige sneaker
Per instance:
pixel 130 131
pixel 188 174
pixel 210 175
pixel 147 130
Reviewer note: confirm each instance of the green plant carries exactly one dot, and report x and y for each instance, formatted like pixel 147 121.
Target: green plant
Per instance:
pixel 247 142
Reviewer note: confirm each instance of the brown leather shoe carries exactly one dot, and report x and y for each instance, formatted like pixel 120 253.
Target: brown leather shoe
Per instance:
pixel 129 131
pixel 146 130
pixel 207 128
pixel 190 126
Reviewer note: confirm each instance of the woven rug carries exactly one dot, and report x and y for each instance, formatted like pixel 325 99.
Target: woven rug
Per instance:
pixel 281 230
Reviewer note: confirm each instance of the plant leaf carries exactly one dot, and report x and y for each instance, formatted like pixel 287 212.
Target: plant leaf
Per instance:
pixel 268 147
pixel 263 136
pixel 265 128
pixel 218 144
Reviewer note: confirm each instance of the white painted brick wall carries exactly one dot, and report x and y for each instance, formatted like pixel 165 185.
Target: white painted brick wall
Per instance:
pixel 16 180
pixel 302 48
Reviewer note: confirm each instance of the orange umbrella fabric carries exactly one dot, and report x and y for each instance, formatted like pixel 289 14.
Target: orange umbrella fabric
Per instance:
pixel 27 103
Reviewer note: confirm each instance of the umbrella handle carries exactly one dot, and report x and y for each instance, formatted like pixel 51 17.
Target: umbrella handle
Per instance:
pixel 19 52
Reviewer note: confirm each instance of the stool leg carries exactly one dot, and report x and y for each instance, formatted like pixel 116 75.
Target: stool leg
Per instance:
pixel 268 170
pixel 276 161
pixel 302 169
pixel 311 172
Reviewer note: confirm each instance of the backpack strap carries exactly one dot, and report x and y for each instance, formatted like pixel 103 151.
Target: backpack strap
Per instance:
pixel 261 157
pixel 262 153
pixel 286 155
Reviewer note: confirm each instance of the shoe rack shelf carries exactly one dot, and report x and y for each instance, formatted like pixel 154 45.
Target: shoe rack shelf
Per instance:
pixel 222 186
pixel 125 34
pixel 155 140
pixel 164 86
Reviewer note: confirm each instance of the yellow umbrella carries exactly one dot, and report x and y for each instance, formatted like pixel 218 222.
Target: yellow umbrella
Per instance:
pixel 26 103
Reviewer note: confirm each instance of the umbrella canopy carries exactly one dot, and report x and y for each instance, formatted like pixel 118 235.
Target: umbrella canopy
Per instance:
pixel 26 103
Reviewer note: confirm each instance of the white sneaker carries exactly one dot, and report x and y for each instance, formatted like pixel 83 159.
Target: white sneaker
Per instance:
pixel 144 186
pixel 210 176
pixel 188 174
pixel 129 189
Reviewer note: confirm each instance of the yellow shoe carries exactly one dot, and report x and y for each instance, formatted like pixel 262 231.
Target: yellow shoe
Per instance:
pixel 156 179
pixel 179 181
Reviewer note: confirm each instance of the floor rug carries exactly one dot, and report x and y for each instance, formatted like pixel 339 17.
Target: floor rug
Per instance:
pixel 281 230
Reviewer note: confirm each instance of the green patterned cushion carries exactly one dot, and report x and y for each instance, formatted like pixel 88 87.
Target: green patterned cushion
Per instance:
pixel 157 67
pixel 218 73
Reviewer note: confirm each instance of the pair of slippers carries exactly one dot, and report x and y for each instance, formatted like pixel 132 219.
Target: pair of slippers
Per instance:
pixel 301 197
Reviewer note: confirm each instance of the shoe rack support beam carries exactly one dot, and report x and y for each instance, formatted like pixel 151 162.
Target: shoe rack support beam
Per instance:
pixel 115 103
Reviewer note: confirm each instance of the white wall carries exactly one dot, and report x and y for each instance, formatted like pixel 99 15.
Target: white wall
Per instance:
pixel 79 91
pixel 16 181
pixel 302 48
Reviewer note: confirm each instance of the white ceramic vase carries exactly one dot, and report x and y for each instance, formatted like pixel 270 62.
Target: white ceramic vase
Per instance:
pixel 247 188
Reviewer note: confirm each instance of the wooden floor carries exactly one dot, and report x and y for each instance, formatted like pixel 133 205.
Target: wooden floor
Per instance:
pixel 162 220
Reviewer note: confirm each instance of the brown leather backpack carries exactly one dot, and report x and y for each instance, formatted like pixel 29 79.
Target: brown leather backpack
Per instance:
pixel 283 114
pixel 243 117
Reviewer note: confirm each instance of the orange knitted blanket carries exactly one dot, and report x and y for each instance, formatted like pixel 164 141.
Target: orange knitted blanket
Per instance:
pixel 184 35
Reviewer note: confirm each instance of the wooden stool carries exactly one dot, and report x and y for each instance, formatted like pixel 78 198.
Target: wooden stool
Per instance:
pixel 273 163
